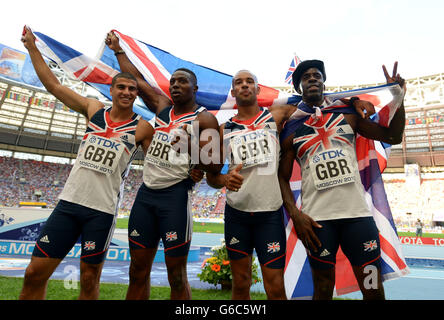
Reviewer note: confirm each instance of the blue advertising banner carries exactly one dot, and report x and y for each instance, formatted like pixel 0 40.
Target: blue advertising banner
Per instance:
pixel 16 65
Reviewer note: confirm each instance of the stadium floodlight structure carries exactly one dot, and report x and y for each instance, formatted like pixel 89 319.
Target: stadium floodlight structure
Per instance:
pixel 34 121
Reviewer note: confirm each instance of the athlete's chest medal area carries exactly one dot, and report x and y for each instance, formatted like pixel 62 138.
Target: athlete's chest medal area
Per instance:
pixel 331 168
pixel 101 154
pixel 161 153
pixel 253 148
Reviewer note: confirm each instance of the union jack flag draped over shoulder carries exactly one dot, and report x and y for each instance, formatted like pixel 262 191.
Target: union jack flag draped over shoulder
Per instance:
pixel 157 66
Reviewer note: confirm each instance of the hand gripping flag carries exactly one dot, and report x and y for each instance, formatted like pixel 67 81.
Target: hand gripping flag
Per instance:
pixel 372 160
pixel 83 68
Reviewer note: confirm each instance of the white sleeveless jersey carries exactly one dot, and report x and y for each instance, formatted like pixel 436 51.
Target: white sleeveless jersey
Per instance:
pixel 163 166
pixel 102 164
pixel 331 183
pixel 255 144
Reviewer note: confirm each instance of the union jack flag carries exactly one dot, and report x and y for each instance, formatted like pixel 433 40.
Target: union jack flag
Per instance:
pixel 294 63
pixel 327 129
pixel 171 236
pixel 370 245
pixel 273 247
pixel 89 245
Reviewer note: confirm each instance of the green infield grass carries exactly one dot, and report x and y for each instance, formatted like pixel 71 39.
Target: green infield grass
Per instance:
pixel 57 290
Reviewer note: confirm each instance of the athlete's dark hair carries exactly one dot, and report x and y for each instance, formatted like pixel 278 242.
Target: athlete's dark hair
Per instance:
pixel 125 75
pixel 191 73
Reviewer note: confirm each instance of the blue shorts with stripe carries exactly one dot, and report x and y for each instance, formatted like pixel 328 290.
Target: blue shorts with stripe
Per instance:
pixel 70 222
pixel 262 231
pixel 162 214
pixel 357 237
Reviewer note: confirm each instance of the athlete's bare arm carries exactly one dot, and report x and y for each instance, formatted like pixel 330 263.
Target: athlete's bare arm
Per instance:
pixel 391 134
pixel 70 98
pixel 144 134
pixel 233 179
pixel 303 224
pixel 210 143
pixel 154 100
pixel 281 113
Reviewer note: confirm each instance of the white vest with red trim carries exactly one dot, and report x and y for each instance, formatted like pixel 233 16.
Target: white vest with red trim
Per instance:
pixel 102 164
pixel 163 166
pixel 255 144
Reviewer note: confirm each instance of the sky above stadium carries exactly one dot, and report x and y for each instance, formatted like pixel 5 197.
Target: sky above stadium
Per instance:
pixel 353 38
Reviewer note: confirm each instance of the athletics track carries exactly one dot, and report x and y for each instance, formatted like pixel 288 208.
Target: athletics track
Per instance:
pixel 424 282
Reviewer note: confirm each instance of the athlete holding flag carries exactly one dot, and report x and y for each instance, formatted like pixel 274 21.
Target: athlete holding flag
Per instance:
pixel 89 201
pixel 161 209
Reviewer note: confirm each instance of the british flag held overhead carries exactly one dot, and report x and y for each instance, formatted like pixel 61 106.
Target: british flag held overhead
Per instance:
pixel 293 64
pixel 81 67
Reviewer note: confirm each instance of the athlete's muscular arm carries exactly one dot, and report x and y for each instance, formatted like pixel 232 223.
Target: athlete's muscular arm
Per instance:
pixel 391 134
pixel 144 134
pixel 155 101
pixel 233 179
pixel 210 143
pixel 303 224
pixel 70 98
pixel 281 113
pixel 201 140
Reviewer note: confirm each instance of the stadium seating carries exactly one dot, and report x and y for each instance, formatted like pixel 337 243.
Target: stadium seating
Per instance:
pixel 30 180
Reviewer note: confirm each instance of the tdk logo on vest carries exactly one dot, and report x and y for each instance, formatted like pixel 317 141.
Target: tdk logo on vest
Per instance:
pixel 254 135
pixel 105 143
pixel 162 136
pixel 331 154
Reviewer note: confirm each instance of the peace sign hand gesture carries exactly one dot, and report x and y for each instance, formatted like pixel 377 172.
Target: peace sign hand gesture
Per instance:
pixel 395 77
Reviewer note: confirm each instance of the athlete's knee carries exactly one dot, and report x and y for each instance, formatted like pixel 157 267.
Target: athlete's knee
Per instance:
pixel 138 274
pixel 177 272
pixel 34 276
pixel 274 283
pixel 324 282
pixel 177 278
pixel 241 280
pixel 90 275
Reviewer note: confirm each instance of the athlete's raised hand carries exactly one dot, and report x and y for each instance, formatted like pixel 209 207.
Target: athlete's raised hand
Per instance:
pixel 112 42
pixel 28 38
pixel 395 77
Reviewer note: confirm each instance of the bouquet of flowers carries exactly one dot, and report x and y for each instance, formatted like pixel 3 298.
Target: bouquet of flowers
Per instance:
pixel 216 269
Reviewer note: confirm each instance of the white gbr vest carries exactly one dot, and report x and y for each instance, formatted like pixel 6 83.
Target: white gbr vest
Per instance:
pixel 255 144
pixel 102 163
pixel 331 183
pixel 163 166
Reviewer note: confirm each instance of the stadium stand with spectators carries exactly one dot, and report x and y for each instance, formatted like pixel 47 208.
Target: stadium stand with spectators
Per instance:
pixel 35 123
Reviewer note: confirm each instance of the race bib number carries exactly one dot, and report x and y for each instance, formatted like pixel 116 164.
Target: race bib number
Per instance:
pixel 161 154
pixel 331 168
pixel 101 154
pixel 253 148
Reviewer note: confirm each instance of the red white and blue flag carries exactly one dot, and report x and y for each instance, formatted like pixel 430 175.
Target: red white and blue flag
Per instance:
pixel 157 66
pixel 293 64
